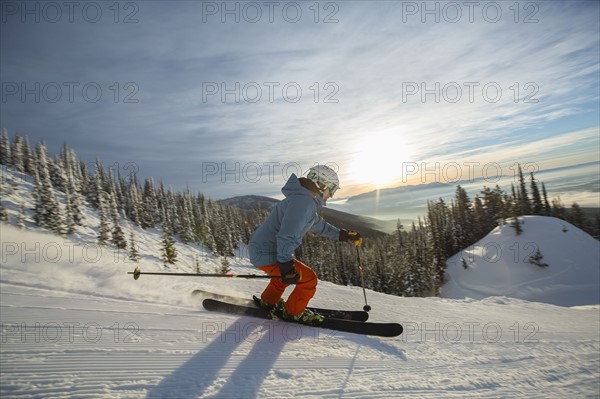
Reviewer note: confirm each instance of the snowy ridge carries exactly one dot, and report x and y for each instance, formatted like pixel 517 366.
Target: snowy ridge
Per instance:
pixel 74 324
pixel 499 264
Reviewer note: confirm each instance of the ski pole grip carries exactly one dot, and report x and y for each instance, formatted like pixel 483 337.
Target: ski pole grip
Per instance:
pixel 358 241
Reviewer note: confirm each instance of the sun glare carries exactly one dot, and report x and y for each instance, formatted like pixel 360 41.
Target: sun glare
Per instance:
pixel 378 160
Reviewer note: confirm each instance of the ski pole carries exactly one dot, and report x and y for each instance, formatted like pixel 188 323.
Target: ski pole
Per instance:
pixel 137 272
pixel 357 243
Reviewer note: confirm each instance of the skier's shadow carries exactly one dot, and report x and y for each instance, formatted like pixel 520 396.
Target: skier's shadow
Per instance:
pixel 203 372
pixel 200 373
pixel 249 375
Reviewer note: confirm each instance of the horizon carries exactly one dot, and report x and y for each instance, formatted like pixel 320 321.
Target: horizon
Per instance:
pixel 391 204
pixel 231 101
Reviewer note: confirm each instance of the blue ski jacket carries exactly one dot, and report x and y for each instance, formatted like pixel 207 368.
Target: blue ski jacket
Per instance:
pixel 281 233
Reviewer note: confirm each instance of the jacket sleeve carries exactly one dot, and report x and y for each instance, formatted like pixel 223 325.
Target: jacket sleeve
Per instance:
pixel 293 223
pixel 324 229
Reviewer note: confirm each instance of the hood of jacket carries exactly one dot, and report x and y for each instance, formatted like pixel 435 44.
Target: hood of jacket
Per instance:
pixel 294 187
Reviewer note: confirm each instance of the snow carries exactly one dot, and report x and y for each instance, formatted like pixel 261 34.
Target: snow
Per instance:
pixel 499 265
pixel 74 324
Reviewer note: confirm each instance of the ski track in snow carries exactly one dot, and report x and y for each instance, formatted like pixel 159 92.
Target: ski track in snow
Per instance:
pixel 67 344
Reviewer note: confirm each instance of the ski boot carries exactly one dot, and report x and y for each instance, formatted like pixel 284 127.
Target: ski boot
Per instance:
pixel 307 317
pixel 260 303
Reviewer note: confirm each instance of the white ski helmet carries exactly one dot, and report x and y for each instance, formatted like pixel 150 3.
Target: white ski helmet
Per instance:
pixel 325 178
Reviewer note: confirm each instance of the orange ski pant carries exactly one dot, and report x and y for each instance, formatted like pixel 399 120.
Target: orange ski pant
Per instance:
pixel 303 291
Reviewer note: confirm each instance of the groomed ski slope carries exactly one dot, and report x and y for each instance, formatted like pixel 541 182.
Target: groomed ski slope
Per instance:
pixel 75 325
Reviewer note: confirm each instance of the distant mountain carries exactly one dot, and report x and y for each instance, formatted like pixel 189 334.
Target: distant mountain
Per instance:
pixel 406 203
pixel 251 202
pixel 368 227
pixel 398 190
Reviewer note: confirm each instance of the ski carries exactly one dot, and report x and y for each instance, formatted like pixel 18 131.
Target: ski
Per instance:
pixel 365 328
pixel 356 315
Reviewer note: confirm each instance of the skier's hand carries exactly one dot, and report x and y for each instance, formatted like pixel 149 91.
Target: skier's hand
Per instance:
pixel 289 274
pixel 350 236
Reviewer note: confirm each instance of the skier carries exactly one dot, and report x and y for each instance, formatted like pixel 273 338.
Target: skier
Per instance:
pixel 271 247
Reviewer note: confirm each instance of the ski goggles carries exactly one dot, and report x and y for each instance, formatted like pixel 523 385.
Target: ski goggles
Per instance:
pixel 327 189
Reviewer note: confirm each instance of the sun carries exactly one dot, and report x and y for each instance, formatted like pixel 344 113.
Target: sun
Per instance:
pixel 379 159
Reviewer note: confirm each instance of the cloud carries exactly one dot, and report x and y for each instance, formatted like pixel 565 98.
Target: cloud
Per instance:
pixel 354 75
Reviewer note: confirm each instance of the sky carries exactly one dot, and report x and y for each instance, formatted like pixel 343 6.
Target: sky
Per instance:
pixel 230 98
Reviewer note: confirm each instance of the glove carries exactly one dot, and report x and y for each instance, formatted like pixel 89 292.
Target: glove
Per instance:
pixel 350 236
pixel 289 274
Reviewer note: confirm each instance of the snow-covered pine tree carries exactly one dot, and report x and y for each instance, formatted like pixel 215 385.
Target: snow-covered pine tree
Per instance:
pixel 37 203
pixel 547 207
pixel 85 182
pixel 480 218
pixel 48 213
pixel 17 156
pixel 536 198
pixel 117 234
pixel 171 211
pixel 148 215
pixel 233 222
pixel 184 217
pixel 462 215
pixel 134 253
pixel 75 197
pixel 225 265
pixel 21 216
pixel 395 244
pixel 524 204
pixel 28 157
pixel 104 228
pixel 57 173
pixel 69 173
pixel 516 224
pixel 204 230
pixel 69 212
pixel 513 205
pixel 494 206
pixel 222 233
pixel 381 275
pixel 413 280
pixel 22 159
pixel 5 158
pixel 168 249
pixel 133 201
pixel 97 186
pixel 442 231
pixel 117 191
